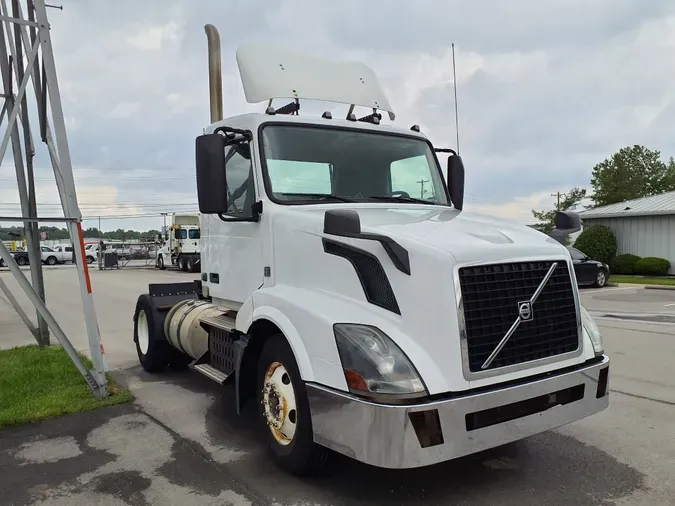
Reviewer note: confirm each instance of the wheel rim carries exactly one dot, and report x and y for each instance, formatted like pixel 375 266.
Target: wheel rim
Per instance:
pixel 143 332
pixel 601 278
pixel 279 404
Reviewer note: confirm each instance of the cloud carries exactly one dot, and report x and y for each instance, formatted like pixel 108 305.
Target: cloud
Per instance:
pixel 546 89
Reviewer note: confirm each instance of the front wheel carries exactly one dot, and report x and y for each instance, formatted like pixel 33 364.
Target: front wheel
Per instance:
pixel 21 261
pixel 160 263
pixel 51 261
pixel 601 279
pixel 284 410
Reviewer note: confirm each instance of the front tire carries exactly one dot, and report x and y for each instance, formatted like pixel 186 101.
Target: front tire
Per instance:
pixel 601 279
pixel 160 263
pixel 189 264
pixel 284 410
pixel 51 261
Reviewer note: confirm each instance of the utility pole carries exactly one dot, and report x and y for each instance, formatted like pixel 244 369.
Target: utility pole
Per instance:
pixel 557 195
pixel 422 190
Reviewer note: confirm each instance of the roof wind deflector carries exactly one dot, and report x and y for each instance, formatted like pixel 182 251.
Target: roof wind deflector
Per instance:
pixel 269 72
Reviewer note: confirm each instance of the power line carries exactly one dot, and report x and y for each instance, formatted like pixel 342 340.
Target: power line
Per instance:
pixel 112 204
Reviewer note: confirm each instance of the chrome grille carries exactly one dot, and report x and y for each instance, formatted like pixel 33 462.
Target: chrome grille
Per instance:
pixel 491 295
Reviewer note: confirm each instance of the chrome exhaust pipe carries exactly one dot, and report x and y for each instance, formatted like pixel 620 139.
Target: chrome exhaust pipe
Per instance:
pixel 215 74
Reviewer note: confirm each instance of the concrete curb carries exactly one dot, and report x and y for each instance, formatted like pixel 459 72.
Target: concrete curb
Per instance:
pixel 659 287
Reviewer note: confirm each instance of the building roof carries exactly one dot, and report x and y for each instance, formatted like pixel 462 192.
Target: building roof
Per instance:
pixel 662 204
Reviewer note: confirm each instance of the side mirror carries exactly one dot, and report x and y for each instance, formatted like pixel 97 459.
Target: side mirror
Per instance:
pixel 211 180
pixel 567 220
pixel 342 222
pixel 566 223
pixel 456 181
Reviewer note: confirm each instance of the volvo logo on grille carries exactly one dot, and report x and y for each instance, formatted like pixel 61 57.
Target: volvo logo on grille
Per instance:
pixel 525 314
pixel 525 310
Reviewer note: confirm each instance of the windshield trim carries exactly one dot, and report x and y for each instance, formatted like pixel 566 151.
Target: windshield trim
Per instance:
pixel 267 183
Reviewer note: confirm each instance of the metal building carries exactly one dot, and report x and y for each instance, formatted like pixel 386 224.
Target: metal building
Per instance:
pixel 643 227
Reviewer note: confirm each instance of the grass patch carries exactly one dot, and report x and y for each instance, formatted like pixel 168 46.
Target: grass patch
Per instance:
pixel 36 384
pixel 643 281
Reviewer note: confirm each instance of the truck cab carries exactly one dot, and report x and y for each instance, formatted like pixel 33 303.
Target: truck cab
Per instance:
pixel 181 244
pixel 345 288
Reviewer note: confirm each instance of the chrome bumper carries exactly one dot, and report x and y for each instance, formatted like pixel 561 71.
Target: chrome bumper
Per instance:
pixel 418 435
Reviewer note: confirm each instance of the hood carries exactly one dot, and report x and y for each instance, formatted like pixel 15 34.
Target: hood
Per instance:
pixel 468 237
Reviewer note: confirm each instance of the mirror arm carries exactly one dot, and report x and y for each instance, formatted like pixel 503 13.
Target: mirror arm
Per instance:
pixel 255 217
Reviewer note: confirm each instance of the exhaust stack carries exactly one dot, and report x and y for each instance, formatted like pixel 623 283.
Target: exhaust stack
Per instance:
pixel 215 74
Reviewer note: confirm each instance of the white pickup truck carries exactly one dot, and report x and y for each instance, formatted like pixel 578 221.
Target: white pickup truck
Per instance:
pixel 59 254
pixel 362 314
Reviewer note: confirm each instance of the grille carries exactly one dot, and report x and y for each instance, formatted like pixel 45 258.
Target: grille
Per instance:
pixel 491 294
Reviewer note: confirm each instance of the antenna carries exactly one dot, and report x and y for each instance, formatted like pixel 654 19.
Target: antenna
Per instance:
pixel 454 85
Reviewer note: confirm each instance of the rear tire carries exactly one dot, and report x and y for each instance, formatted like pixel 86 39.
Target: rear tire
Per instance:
pixel 284 412
pixel 154 354
pixel 21 261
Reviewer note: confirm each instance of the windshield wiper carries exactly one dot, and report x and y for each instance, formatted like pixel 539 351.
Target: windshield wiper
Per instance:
pixel 404 199
pixel 318 196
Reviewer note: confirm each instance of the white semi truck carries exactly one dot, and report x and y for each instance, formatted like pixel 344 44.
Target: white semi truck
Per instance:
pixel 181 246
pixel 361 314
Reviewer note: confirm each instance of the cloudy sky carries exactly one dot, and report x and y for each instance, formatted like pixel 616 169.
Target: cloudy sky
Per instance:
pixel 546 89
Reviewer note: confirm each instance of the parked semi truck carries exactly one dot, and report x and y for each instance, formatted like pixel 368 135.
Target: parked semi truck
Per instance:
pixel 360 313
pixel 181 247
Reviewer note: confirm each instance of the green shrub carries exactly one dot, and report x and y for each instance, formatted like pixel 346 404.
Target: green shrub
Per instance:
pixel 624 264
pixel 652 266
pixel 598 242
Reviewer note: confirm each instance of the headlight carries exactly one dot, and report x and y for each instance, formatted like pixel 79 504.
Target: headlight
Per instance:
pixel 592 329
pixel 374 364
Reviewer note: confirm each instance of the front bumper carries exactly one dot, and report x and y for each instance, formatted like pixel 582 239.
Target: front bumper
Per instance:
pixel 397 436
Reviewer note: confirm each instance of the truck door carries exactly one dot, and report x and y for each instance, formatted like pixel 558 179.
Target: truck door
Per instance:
pixel 232 256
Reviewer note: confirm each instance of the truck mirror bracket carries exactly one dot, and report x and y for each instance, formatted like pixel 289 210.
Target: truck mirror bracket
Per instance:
pixel 346 223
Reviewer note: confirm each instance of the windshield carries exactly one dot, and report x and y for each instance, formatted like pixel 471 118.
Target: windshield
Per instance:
pixel 306 164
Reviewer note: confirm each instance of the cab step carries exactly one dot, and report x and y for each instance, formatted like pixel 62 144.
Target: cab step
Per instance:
pixel 212 373
pixel 225 321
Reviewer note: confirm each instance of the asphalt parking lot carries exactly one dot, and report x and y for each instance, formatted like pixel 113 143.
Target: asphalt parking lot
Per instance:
pixel 181 443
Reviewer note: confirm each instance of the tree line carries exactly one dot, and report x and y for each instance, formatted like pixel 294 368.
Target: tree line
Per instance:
pixel 631 173
pixel 55 234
